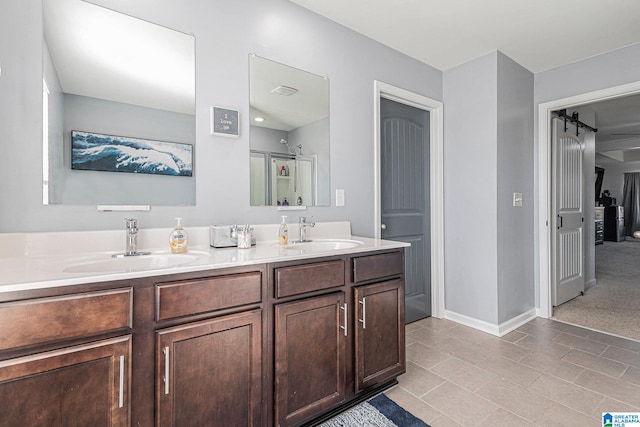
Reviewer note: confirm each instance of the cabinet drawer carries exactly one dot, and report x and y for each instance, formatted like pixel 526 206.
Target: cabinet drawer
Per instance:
pixel 308 278
pixel 377 266
pixel 41 320
pixel 184 298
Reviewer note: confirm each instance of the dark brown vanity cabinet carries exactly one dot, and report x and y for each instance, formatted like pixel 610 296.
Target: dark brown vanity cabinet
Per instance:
pixel 379 333
pixel 210 371
pixel 53 370
pixel 339 333
pixel 258 345
pixel 379 307
pixel 310 357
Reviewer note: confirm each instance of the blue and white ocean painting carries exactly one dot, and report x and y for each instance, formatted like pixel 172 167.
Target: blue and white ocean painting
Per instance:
pixel 98 152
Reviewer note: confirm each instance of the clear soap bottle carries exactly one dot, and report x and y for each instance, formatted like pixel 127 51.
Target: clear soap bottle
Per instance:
pixel 283 232
pixel 178 239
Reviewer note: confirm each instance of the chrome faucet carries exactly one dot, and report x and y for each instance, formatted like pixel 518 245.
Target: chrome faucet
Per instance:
pixel 131 244
pixel 303 224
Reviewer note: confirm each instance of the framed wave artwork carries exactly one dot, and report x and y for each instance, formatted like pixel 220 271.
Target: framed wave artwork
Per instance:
pixel 99 152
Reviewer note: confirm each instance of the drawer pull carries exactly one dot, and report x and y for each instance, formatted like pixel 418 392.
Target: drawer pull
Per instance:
pixel 364 313
pixel 344 307
pixel 121 384
pixel 166 370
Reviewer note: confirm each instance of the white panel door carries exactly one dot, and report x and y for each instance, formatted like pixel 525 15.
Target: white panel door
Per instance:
pixel 568 250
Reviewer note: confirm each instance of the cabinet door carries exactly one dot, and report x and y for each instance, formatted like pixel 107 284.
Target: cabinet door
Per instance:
pixel 84 385
pixel 379 331
pixel 310 344
pixel 209 373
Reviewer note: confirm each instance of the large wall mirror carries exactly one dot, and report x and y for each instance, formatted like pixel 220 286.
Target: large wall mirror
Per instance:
pixel 125 89
pixel 289 113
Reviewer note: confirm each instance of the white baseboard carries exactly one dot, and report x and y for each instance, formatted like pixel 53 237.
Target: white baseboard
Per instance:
pixel 490 328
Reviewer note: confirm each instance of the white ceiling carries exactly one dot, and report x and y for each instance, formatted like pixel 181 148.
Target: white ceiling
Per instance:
pixel 538 34
pixel 100 53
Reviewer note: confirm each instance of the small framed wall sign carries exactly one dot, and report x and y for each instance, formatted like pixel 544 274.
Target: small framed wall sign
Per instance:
pixel 225 122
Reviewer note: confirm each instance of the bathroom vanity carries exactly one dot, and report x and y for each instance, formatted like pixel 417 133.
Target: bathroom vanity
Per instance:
pixel 273 338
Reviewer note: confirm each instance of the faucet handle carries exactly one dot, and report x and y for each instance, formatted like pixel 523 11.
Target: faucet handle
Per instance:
pixel 131 223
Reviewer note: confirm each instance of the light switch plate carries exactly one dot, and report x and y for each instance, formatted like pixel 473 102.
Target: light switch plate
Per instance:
pixel 339 197
pixel 517 200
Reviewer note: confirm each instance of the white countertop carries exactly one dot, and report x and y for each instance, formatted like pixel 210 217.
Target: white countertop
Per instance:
pixel 39 260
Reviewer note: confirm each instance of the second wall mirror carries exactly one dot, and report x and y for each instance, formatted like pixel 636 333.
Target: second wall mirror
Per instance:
pixel 289 113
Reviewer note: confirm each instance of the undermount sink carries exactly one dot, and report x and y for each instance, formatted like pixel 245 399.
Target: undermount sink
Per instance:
pixel 323 245
pixel 154 261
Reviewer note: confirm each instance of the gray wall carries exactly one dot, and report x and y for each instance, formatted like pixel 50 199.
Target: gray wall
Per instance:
pixel 515 174
pixel 78 187
pixel 225 35
pixel 470 182
pixel 489 243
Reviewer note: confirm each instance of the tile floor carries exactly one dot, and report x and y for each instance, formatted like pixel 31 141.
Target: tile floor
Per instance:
pixel 545 373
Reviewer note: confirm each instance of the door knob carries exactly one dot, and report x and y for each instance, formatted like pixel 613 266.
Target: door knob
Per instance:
pixel 383 226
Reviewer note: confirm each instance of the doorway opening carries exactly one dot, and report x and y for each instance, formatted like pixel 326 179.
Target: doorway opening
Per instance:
pixel 545 223
pixel 435 181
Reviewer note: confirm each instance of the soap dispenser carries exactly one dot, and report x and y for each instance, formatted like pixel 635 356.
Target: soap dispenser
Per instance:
pixel 178 239
pixel 283 232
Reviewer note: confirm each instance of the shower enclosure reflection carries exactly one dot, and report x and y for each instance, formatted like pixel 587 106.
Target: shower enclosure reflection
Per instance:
pixel 289 111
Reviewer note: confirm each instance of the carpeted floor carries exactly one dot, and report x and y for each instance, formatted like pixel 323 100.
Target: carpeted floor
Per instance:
pixel 613 304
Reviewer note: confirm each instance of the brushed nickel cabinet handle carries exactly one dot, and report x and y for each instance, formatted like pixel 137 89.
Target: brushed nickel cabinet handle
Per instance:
pixel 364 313
pixel 121 384
pixel 166 370
pixel 344 307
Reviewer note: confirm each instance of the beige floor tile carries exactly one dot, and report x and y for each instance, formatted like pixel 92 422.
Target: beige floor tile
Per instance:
pixel 507 349
pixel 596 363
pixel 514 336
pixel 611 405
pixel 632 376
pixel 417 407
pixel 461 405
pixel 472 336
pixel 418 380
pixel 623 356
pixel 554 377
pixel 468 352
pixel 544 344
pixel 509 370
pixel 429 337
pixel 424 355
pixel 580 343
pixel 613 340
pixel 502 417
pixel 611 387
pixel 415 325
pixel 568 328
pixel 552 366
pixel 444 421
pixel 516 399
pixel 566 393
pixel 438 324
pixel 537 330
pixel 561 416
pixel 462 373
